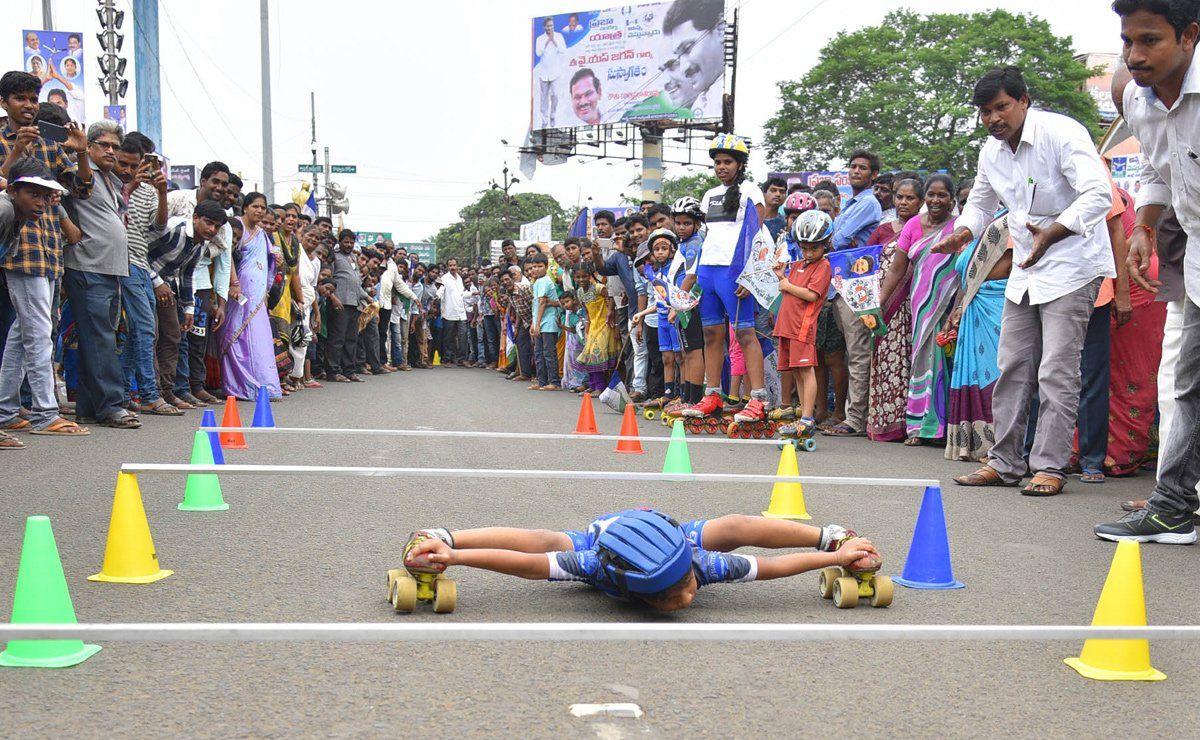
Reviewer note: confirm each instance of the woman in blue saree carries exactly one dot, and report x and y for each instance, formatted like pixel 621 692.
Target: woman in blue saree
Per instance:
pixel 983 269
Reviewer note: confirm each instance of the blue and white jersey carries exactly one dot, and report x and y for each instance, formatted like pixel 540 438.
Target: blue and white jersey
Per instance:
pixel 583 563
pixel 687 257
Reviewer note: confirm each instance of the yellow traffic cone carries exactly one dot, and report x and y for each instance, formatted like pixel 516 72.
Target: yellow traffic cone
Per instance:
pixel 437 359
pixel 787 499
pixel 129 556
pixel 1122 604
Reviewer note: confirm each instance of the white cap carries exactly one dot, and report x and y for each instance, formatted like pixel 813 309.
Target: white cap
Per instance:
pixel 40 181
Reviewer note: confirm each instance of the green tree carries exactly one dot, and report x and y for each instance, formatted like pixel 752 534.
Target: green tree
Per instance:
pixel 674 188
pixel 484 220
pixel 903 90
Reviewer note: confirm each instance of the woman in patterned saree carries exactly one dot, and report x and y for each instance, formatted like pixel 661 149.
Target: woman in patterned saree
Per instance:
pixel 889 364
pixel 931 292
pixel 983 269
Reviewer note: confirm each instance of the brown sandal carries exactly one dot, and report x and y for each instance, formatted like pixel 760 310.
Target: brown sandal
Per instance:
pixel 1043 484
pixel 17 425
pixel 985 476
pixel 9 442
pixel 61 427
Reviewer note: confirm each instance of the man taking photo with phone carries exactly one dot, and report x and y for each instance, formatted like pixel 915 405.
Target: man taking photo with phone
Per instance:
pixel 34 263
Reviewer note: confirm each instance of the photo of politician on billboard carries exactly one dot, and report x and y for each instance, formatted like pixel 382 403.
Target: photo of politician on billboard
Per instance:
pixel 659 61
pixel 56 58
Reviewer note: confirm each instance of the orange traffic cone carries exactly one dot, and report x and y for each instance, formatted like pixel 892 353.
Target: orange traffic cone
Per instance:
pixel 629 428
pixel 587 417
pixel 232 440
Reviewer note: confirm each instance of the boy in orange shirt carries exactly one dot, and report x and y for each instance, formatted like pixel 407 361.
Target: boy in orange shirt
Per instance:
pixel 804 286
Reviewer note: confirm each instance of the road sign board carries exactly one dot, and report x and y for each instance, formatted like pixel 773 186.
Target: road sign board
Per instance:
pixel 311 168
pixel 425 251
pixel 345 169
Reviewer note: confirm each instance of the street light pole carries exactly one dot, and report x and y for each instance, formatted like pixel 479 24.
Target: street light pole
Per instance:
pixel 267 145
pixel 508 183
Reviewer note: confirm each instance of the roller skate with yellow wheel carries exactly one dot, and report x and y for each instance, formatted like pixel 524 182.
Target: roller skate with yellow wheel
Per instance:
pixel 751 422
pixel 846 586
pixel 705 417
pixel 422 580
pixel 800 434
pixel 652 409
pixel 673 412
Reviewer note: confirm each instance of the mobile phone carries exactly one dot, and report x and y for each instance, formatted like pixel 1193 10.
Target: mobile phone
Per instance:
pixel 52 131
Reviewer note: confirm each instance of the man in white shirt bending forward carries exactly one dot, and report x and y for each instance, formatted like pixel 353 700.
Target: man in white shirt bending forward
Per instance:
pixel 1044 168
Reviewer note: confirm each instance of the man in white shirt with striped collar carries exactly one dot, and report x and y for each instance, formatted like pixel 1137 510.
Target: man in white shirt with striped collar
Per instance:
pixel 1163 111
pixel 1045 169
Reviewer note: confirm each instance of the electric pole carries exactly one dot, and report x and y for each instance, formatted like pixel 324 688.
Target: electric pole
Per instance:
pixel 268 154
pixel 47 15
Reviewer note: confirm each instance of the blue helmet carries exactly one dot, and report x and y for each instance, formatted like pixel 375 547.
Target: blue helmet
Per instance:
pixel 644 552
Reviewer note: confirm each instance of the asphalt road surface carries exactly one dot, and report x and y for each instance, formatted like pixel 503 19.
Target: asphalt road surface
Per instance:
pixel 316 549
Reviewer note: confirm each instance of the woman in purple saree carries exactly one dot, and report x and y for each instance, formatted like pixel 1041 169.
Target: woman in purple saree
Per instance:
pixel 247 349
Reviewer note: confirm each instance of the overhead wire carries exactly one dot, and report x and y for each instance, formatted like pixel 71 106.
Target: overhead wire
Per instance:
pixel 137 27
pixel 216 108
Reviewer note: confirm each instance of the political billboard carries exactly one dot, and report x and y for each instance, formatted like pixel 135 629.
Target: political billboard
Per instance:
pixel 56 58
pixel 370 238
pixel 658 61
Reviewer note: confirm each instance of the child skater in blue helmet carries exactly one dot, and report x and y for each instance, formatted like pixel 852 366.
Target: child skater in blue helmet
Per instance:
pixel 644 555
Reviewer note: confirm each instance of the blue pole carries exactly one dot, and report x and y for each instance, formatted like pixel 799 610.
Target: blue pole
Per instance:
pixel 146 55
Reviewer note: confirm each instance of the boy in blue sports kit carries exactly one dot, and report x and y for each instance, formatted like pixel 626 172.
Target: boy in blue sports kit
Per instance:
pixel 645 555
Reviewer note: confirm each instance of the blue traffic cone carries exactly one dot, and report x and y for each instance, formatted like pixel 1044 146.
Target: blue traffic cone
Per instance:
pixel 262 410
pixel 209 419
pixel 928 563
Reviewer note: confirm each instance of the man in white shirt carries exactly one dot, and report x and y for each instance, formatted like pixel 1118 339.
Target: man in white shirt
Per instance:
pixel 551 50
pixel 1163 111
pixel 1045 169
pixel 454 315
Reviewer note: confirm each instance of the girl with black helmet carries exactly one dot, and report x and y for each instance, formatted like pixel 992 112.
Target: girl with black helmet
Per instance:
pixel 723 301
pixel 645 555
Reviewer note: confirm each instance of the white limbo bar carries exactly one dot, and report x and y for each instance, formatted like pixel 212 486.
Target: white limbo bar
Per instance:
pixel 336 470
pixel 485 435
pixel 578 632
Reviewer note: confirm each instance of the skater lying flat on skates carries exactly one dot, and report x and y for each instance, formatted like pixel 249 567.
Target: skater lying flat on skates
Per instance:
pixel 645 555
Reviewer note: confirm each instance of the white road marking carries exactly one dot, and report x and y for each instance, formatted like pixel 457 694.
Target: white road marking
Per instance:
pixel 620 709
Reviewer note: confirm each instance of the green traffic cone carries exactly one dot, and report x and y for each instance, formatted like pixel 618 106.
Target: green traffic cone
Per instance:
pixel 41 597
pixel 203 490
pixel 677 460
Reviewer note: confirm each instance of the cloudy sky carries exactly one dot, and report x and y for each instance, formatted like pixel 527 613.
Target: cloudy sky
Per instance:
pixel 420 94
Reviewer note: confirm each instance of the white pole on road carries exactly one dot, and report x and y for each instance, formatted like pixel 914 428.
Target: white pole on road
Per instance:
pixel 580 631
pixel 335 470
pixel 484 435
